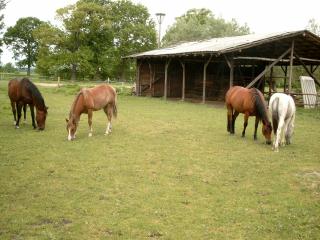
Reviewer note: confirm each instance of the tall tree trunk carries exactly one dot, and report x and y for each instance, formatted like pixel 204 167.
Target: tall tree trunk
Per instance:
pixel 28 70
pixel 74 72
pixel 29 60
pixel 123 70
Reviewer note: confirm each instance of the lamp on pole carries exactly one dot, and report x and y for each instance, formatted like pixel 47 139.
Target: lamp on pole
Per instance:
pixel 160 17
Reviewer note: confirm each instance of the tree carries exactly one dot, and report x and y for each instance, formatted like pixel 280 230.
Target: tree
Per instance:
pixel 94 37
pixel 134 31
pixel 313 26
pixel 80 44
pixel 20 39
pixel 200 24
pixel 8 68
pixel 2 7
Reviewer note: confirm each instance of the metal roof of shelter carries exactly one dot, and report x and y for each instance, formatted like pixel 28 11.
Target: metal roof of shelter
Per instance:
pixel 224 45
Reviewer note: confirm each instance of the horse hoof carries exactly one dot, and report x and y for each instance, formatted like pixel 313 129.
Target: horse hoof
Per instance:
pixel 90 135
pixel 17 127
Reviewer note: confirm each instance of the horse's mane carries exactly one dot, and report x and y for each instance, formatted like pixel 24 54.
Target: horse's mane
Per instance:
pixel 260 106
pixel 74 104
pixel 35 93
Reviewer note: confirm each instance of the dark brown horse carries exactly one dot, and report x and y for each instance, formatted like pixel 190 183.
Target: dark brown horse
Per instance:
pixel 23 92
pixel 88 100
pixel 250 102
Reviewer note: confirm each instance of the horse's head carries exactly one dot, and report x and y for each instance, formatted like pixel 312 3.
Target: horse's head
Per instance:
pixel 71 128
pixel 267 131
pixel 41 116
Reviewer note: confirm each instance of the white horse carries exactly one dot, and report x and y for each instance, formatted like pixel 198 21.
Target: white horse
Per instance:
pixel 282 109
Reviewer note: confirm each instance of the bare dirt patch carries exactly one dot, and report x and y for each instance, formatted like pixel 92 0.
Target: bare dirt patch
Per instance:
pixel 49 84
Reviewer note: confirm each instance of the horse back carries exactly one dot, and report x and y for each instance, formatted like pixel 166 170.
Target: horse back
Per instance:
pixel 13 90
pixel 99 96
pixel 240 99
pixel 282 105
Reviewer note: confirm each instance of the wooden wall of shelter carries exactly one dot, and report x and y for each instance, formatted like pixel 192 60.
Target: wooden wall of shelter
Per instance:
pixel 151 77
pixel 208 75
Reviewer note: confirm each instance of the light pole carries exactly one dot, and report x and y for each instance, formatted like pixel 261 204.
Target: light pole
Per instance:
pixel 160 17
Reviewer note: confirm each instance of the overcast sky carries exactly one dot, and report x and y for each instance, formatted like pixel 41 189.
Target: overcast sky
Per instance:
pixel 261 16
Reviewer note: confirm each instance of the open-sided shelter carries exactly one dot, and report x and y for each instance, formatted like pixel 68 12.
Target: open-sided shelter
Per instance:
pixel 205 69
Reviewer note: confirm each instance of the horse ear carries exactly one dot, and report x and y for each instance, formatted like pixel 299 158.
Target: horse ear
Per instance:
pixel 67 120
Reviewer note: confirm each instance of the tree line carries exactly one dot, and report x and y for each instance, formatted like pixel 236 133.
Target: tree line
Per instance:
pixel 92 38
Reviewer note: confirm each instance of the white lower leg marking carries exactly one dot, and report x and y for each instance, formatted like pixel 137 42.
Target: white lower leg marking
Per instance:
pixel 69 136
pixel 90 132
pixel 108 128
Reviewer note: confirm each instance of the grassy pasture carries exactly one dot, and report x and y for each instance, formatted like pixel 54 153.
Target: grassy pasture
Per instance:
pixel 169 170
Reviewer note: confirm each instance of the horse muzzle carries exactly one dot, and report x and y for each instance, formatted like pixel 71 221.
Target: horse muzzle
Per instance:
pixel 268 142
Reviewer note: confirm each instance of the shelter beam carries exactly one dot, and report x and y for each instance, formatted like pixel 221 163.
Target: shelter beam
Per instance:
pixel 291 66
pixel 231 67
pixel 307 70
pixel 205 79
pixel 267 68
pixel 183 65
pixel 166 78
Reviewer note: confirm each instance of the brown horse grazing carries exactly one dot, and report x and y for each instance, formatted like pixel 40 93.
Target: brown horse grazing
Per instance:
pixel 89 100
pixel 23 92
pixel 250 102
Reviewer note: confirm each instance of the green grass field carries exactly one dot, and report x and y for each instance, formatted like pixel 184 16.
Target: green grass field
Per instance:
pixel 169 170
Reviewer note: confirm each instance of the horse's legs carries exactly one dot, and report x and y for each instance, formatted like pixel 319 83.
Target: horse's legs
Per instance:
pixel 229 119
pixel 255 128
pixel 245 124
pixel 289 131
pixel 109 112
pixel 14 112
pixel 24 112
pixel 284 132
pixel 90 122
pixel 19 106
pixel 278 134
pixel 32 115
pixel 234 117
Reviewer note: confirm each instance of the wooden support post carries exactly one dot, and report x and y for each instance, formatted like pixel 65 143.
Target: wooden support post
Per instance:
pixel 307 70
pixel 271 87
pixel 285 70
pixel 231 67
pixel 138 87
pixel 183 65
pixel 150 76
pixel 205 79
pixel 267 68
pixel 166 78
pixel 291 67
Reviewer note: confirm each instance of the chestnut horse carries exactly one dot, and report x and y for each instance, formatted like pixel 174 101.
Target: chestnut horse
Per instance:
pixel 250 102
pixel 23 92
pixel 92 99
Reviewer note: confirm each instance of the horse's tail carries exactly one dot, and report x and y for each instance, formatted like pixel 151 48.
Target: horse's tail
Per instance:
pixel 275 114
pixel 115 109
